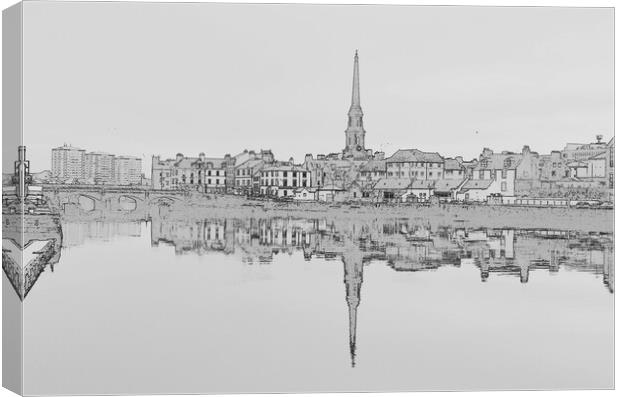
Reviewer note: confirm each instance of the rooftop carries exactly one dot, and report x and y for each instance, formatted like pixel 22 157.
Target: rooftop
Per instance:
pixel 415 155
pixel 473 184
pixel 393 183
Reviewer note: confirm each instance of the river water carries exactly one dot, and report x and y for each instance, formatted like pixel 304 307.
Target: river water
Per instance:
pixel 180 305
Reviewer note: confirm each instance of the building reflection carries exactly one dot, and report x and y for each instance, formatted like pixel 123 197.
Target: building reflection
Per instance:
pixel 405 245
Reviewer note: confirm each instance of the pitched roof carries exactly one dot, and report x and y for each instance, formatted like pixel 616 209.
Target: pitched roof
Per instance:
pixel 473 184
pixel 308 189
pixel 373 165
pixel 452 164
pixel 422 184
pixel 602 155
pixel 331 186
pixel 187 162
pixel 392 183
pixel 447 185
pixel 285 167
pixel 250 163
pixel 415 155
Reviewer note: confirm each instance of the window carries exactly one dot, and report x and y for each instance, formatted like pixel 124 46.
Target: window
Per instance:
pixel 505 174
pixel 504 187
pixel 481 174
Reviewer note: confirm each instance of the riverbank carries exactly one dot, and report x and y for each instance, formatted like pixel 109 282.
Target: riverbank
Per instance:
pixel 467 215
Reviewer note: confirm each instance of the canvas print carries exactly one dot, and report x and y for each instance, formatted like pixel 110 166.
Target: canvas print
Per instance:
pixel 250 198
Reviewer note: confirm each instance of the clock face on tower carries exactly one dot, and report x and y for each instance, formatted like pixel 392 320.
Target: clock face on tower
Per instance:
pixel 359 148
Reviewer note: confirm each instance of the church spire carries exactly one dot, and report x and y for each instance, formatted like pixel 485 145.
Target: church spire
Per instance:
pixel 355 96
pixel 355 134
pixel 352 331
pixel 353 278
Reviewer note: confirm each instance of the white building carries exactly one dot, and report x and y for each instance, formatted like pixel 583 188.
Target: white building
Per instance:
pixel 127 170
pixel 415 164
pixel 195 173
pixel 283 180
pixel 492 176
pixel 68 163
pixel 99 168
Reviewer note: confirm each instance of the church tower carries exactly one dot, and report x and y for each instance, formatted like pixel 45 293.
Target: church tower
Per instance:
pixel 354 145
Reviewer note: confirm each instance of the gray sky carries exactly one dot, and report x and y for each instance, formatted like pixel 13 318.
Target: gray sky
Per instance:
pixel 154 78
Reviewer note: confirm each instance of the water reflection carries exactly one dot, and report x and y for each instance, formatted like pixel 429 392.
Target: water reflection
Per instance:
pixel 405 245
pixel 30 243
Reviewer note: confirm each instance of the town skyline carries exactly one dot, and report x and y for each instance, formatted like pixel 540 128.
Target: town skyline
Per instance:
pixel 542 93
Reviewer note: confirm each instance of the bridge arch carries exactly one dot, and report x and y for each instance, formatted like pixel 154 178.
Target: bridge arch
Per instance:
pixel 163 200
pixel 128 203
pixel 87 203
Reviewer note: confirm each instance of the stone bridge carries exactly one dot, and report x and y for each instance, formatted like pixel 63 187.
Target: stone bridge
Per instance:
pixel 89 198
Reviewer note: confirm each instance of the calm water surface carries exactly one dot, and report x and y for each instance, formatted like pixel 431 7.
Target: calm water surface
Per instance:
pixel 293 305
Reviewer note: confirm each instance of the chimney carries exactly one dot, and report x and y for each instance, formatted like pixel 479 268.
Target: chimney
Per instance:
pixel 486 152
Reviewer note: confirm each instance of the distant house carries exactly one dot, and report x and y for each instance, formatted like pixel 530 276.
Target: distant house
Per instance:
pixel 446 189
pixel 415 164
pixel 596 165
pixel 247 176
pixel 552 166
pixel 475 190
pixel 332 193
pixel 355 191
pixel 281 180
pixel 498 175
pixel 373 170
pixel 527 162
pixel 419 190
pixel 454 169
pixel 391 188
pixel 578 169
pixel 305 194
